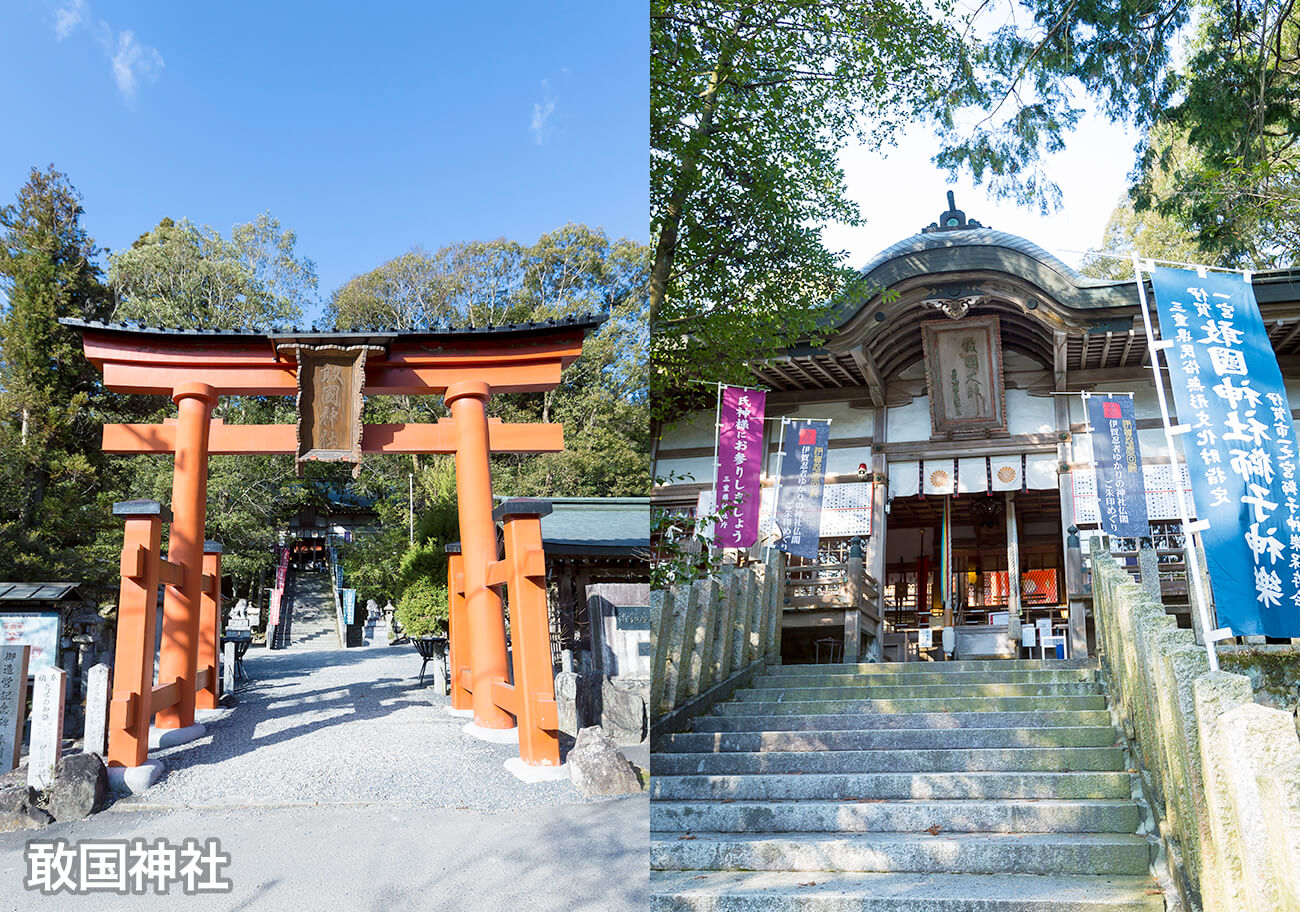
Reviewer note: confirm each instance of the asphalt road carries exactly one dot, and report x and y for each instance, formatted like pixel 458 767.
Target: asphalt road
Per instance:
pixel 579 858
pixel 338 783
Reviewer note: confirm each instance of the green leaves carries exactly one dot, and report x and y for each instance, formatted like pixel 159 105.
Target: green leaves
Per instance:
pixel 182 275
pixel 749 107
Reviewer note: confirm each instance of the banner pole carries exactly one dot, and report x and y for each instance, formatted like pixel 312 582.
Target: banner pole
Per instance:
pixel 1189 543
pixel 776 492
pixel 717 440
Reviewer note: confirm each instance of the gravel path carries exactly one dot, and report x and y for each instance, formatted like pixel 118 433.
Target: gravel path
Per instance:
pixel 342 726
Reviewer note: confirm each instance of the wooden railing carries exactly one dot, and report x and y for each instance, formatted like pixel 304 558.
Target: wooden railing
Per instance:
pixel 837 587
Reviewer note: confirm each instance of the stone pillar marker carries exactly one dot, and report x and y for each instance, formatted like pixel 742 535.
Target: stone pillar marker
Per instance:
pixel 47 727
pixel 13 703
pixel 228 668
pixel 1149 563
pixel 97 689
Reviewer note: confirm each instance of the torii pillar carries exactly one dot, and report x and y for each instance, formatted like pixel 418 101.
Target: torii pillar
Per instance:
pixel 478 547
pixel 178 658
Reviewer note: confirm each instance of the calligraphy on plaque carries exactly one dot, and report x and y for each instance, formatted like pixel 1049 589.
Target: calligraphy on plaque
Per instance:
pixel 963 373
pixel 330 381
pixel 1240 447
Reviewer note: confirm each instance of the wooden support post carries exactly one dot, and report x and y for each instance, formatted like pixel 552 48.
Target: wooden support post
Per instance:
pixel 178 658
pixel 458 658
pixel 539 743
pixel 853 573
pixel 130 711
pixel 487 633
pixel 1013 576
pixel 209 625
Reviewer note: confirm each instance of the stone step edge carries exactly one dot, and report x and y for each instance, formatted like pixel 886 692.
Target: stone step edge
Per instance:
pixel 912 891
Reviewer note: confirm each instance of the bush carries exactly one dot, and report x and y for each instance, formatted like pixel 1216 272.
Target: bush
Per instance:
pixel 422 610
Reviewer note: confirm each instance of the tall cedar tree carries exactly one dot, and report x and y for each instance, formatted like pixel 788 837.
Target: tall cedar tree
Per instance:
pixel 49 477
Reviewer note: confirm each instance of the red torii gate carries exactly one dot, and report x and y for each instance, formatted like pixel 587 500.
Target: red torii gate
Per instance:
pixel 194 368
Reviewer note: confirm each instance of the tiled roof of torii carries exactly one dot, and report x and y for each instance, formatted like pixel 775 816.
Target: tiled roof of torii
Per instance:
pixel 283 335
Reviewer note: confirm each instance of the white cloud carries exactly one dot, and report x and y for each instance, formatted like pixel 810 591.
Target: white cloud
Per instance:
pixel 67 18
pixel 542 111
pixel 130 61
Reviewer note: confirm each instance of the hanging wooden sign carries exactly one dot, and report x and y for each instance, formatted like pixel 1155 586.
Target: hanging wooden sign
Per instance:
pixel 330 381
pixel 963 374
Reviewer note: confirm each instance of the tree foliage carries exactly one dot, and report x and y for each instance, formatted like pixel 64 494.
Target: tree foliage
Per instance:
pixel 601 398
pixel 750 103
pixel 1224 163
pixel 749 106
pixel 179 274
pixel 51 470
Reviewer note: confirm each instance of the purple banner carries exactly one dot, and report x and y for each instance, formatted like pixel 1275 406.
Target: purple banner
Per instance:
pixel 740 466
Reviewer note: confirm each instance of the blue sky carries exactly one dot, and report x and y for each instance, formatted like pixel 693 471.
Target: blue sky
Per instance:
pixel 368 128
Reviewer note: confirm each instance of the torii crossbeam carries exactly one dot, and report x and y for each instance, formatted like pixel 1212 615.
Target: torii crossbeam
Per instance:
pixel 329 372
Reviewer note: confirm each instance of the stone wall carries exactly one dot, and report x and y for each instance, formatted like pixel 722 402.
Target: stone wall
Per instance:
pixel 1222 771
pixel 713 631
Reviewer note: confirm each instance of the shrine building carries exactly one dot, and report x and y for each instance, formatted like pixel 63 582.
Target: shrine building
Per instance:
pixel 947 499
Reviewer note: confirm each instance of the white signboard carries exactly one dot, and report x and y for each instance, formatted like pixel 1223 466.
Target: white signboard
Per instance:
pixel 37 629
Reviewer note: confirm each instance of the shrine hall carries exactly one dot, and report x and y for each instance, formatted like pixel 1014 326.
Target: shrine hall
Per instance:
pixel 970 526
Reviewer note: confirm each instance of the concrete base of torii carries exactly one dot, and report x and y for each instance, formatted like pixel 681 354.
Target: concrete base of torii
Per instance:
pixel 134 779
pixel 525 773
pixel 170 737
pixel 493 735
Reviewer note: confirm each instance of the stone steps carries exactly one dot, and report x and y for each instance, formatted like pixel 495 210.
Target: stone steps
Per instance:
pixel 916 691
pixel 878 786
pixel 937 720
pixel 933 704
pixel 980 786
pixel 779 679
pixel 312 621
pixel 888 668
pixel 892 739
pixel 1063 759
pixel 885 852
pixel 761 891
pixel 1097 815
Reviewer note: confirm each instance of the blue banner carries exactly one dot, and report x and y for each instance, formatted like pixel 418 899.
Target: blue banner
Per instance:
pixel 799 503
pixel 349 605
pixel 1117 460
pixel 1240 452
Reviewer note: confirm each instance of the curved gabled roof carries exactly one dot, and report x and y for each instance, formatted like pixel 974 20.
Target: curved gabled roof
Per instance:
pixel 977 237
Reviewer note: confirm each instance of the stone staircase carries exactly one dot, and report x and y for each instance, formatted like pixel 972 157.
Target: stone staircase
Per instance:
pixel 312 620
pixel 958 786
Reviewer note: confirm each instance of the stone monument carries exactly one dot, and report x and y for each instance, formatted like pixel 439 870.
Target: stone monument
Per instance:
pixel 47 727
pixel 97 691
pixel 13 702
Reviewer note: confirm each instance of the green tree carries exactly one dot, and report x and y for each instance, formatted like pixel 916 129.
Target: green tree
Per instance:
pixel 51 468
pixel 181 275
pixel 1224 162
pixel 601 399
pixel 749 105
